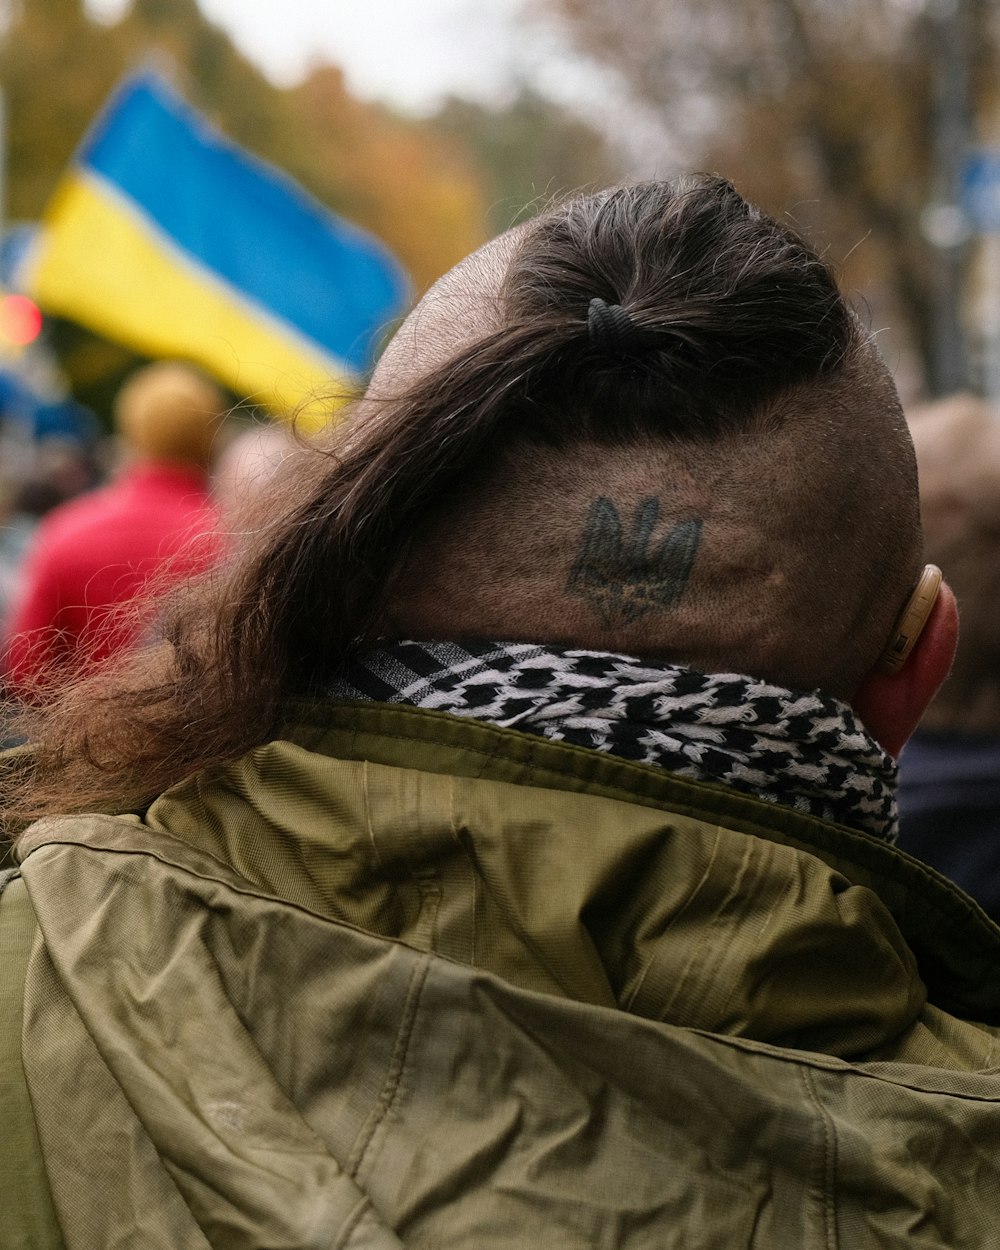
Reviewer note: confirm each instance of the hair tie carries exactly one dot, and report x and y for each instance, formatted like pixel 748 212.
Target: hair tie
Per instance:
pixel 612 330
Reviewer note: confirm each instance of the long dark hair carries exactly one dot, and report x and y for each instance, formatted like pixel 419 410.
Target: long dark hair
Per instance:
pixel 729 309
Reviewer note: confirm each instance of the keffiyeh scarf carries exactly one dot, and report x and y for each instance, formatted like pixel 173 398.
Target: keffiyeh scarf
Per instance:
pixel 804 750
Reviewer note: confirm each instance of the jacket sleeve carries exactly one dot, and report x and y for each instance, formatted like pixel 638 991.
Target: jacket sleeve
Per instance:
pixel 29 1219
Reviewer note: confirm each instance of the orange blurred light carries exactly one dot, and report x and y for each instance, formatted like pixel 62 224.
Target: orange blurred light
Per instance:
pixel 20 320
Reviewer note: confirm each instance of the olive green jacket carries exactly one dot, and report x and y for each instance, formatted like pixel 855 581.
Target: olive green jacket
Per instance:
pixel 402 979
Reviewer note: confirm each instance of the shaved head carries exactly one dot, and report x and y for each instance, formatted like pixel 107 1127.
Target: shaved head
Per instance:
pixel 463 306
pixel 739 494
pixel 788 558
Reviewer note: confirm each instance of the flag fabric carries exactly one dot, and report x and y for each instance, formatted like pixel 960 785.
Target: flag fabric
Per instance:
pixel 165 236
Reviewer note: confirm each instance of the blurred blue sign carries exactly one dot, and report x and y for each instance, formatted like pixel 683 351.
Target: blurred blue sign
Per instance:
pixel 42 417
pixel 980 191
pixel 14 246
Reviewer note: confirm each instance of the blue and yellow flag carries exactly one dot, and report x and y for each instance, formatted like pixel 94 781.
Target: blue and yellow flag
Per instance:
pixel 168 238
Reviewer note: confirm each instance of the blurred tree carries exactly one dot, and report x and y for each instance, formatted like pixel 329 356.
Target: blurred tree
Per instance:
pixel 208 68
pixel 824 110
pixel 391 175
pixel 528 152
pixel 414 188
pixel 396 177
pixel 431 189
pixel 56 67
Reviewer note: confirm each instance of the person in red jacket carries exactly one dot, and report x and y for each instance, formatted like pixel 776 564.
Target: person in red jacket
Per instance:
pixel 94 558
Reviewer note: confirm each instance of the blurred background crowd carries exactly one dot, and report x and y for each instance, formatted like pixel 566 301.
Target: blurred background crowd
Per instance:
pixel 407 134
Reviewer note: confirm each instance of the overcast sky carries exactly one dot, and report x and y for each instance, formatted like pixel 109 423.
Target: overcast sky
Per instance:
pixel 411 52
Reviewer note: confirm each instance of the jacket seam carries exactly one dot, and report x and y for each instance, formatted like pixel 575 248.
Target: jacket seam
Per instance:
pixel 827 1163
pixel 352 1223
pixel 365 1145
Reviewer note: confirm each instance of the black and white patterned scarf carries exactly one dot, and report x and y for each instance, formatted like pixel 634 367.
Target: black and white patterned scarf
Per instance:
pixel 806 751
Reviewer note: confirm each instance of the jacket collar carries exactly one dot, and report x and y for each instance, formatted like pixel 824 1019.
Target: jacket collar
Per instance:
pixel 570 872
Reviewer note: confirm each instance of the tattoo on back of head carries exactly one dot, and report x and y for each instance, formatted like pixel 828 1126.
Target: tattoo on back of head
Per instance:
pixel 620 575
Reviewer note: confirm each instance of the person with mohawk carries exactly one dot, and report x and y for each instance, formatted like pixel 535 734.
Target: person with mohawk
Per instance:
pixel 498 851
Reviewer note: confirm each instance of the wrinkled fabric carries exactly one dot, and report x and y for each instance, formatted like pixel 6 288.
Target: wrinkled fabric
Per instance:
pixel 28 1217
pixel 401 980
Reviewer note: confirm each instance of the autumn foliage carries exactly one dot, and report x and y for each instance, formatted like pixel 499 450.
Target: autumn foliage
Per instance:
pixel 828 112
pixel 394 176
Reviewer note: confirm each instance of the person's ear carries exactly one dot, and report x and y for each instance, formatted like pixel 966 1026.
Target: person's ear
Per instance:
pixel 890 705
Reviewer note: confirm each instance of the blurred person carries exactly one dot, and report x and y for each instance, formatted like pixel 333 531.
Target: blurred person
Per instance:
pixel 248 462
pixel 505 851
pixel 29 502
pixel 92 558
pixel 950 771
pixel 61 469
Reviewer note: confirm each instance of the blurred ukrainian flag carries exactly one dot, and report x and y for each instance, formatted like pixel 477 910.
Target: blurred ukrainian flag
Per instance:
pixel 168 238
